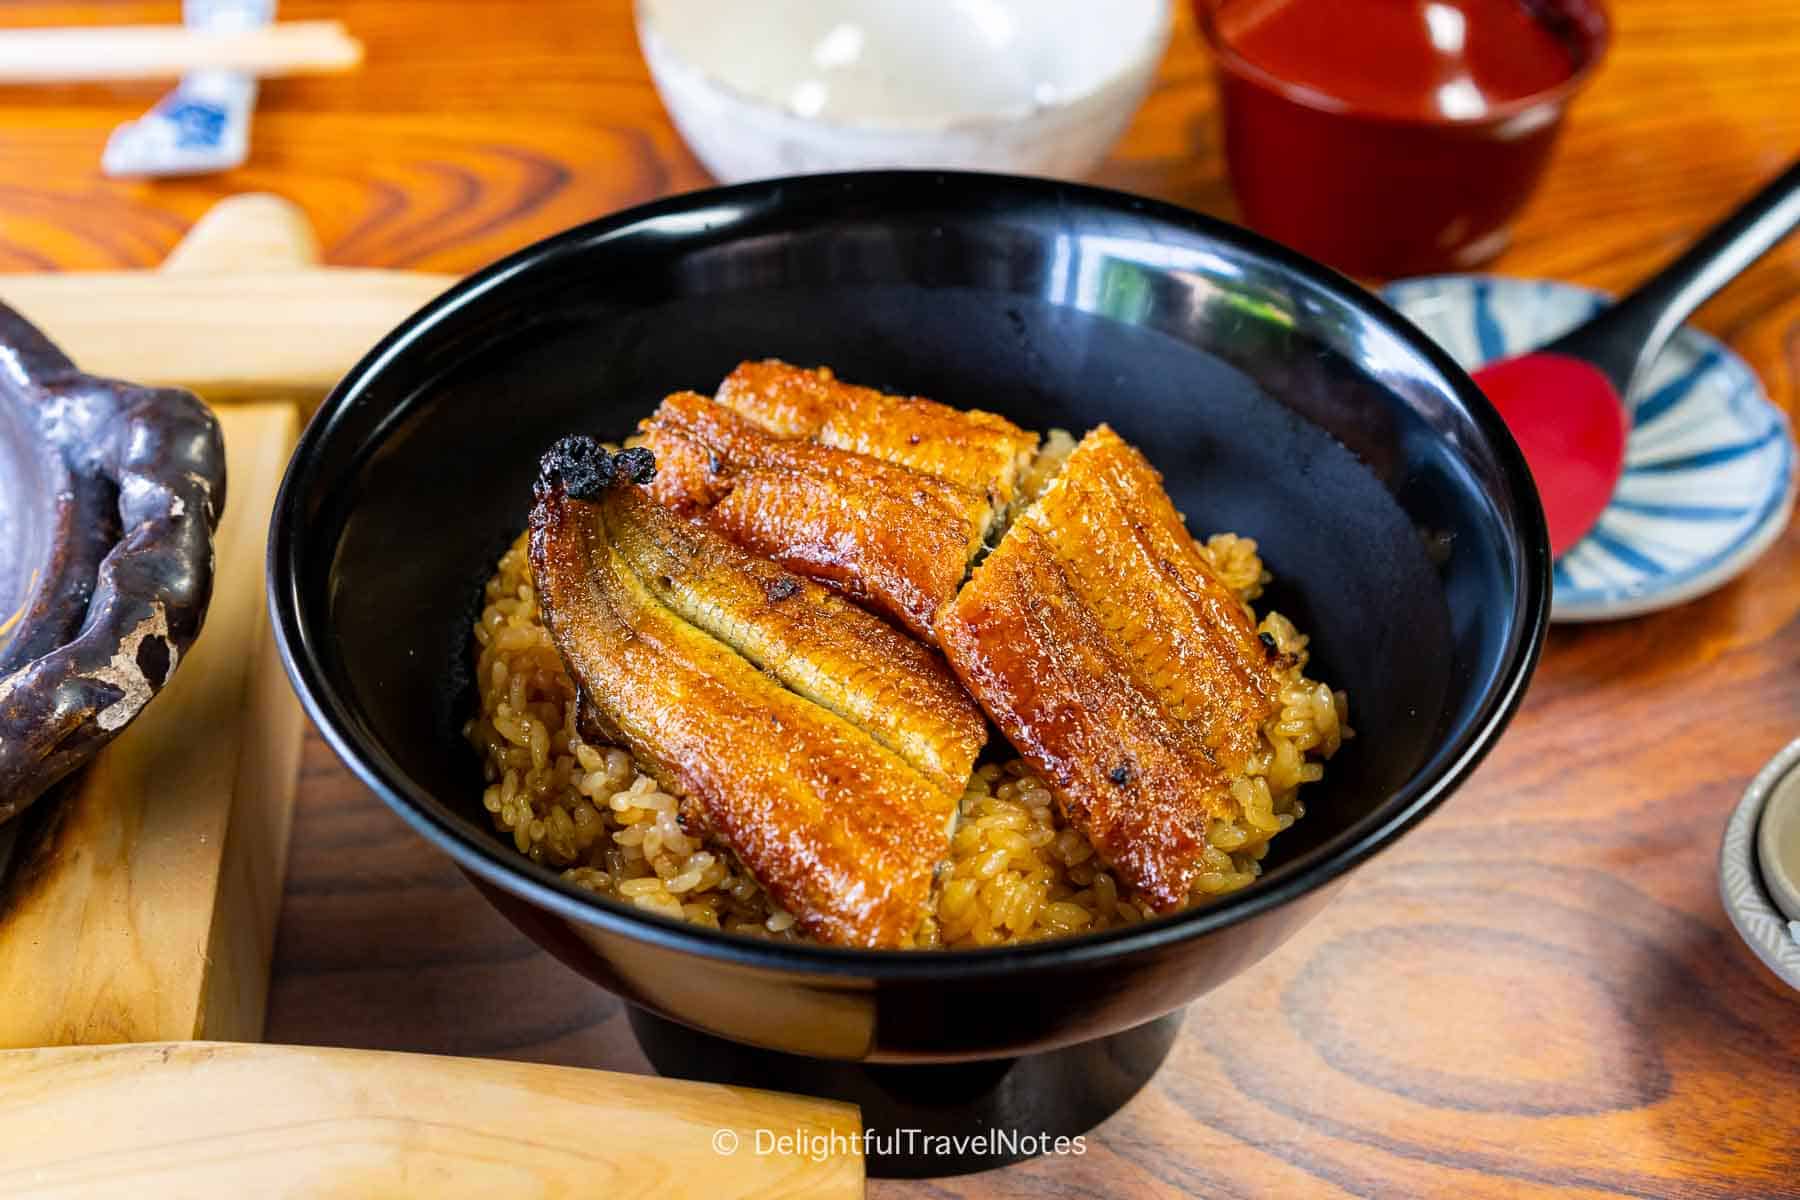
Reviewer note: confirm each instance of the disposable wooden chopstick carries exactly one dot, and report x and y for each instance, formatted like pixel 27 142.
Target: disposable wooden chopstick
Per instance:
pixel 168 51
pixel 208 1119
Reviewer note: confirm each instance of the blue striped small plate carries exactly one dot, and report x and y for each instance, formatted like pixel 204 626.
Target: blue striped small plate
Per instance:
pixel 1709 465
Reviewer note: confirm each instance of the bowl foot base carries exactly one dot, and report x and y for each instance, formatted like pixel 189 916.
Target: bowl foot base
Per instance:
pixel 915 1114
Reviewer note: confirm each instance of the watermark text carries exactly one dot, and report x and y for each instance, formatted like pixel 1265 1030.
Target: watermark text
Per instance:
pixel 819 1145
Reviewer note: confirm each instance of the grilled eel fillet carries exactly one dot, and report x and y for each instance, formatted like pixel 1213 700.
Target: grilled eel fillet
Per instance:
pixel 974 450
pixel 842 831
pixel 814 641
pixel 1117 664
pixel 882 533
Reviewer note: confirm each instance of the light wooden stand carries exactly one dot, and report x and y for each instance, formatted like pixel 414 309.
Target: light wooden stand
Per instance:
pixel 209 1121
pixel 241 309
pixel 143 907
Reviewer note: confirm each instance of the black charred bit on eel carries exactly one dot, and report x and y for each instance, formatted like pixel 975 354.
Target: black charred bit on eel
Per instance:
pixel 584 468
pixel 637 465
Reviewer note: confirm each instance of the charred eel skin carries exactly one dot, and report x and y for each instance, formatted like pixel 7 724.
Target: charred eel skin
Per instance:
pixel 882 533
pixel 1102 645
pixel 977 451
pixel 842 831
pixel 814 641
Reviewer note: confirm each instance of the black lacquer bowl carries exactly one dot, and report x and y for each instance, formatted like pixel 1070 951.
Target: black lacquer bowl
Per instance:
pixel 1279 400
pixel 109 495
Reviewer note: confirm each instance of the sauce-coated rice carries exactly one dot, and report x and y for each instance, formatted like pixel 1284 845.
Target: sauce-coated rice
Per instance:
pixel 1016 870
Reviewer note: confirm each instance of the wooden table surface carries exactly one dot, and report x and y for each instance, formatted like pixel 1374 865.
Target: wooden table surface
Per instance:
pixel 1535 992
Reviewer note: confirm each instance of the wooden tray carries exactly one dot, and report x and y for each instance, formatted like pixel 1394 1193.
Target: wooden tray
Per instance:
pixel 201 1120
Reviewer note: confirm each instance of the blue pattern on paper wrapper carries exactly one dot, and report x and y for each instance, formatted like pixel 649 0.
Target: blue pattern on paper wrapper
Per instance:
pixel 1709 465
pixel 197 125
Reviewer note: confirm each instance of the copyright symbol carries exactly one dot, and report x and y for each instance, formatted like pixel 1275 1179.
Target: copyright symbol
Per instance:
pixel 725 1141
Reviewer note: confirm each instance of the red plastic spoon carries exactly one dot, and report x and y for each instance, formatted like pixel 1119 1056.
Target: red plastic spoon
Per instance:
pixel 1565 403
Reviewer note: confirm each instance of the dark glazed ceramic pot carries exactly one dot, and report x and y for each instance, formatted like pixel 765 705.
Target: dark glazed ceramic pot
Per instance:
pixel 109 495
pixel 1279 400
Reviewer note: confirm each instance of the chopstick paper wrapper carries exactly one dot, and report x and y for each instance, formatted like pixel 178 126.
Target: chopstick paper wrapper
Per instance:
pixel 203 126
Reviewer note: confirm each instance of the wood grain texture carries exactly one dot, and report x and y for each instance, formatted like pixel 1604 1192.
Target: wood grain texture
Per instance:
pixel 205 1120
pixel 240 309
pixel 227 335
pixel 1536 990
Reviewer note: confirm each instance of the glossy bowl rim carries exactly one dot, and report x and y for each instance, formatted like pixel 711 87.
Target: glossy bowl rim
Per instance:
pixel 486 857
pixel 1556 97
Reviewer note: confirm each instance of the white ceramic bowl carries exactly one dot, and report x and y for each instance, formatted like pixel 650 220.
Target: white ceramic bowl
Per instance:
pixel 793 87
